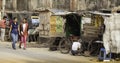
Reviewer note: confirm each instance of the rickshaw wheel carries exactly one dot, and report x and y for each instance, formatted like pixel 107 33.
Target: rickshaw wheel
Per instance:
pixel 65 46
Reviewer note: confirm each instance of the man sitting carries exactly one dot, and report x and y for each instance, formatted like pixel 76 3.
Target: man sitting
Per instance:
pixel 75 46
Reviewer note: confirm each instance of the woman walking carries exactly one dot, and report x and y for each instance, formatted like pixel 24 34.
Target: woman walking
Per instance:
pixel 24 33
pixel 14 31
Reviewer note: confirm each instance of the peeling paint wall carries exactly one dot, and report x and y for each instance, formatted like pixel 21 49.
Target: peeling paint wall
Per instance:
pixel 61 4
pixel 99 4
pixel 71 5
pixel 22 4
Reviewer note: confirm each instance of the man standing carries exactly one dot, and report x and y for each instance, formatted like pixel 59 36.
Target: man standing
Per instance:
pixel 3 26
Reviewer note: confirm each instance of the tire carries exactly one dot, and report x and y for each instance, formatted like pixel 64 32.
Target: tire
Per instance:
pixel 51 46
pixel 64 46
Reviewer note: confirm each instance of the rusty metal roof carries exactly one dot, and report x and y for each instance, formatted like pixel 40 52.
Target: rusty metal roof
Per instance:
pixel 60 12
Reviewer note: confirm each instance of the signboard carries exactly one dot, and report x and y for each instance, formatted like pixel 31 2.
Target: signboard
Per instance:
pixel 35 21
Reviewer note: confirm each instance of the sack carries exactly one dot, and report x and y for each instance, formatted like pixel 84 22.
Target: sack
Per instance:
pixel 53 48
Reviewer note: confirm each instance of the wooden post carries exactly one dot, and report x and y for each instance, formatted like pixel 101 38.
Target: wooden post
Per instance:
pixel 0 8
pixel 14 4
pixel 50 3
pixel 0 4
pixel 3 7
pixel 73 5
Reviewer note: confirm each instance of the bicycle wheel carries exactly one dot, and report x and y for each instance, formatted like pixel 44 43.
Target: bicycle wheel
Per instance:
pixel 64 46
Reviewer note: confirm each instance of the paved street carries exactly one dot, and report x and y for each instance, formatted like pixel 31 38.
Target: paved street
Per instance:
pixel 38 55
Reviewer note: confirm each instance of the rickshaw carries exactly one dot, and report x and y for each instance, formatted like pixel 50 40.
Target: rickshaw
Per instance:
pixel 91 33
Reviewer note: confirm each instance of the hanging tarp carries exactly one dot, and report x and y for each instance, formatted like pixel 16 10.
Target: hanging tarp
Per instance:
pixel 111 37
pixel 59 25
pixel 53 25
pixel 56 26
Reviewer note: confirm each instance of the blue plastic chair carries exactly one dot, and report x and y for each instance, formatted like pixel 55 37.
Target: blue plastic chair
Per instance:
pixel 103 55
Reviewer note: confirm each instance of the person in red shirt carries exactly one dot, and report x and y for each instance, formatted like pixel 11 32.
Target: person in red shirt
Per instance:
pixel 3 26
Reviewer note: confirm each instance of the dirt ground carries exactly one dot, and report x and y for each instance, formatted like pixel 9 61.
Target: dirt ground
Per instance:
pixel 40 55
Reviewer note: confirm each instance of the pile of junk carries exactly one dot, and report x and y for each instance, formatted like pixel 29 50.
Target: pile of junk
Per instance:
pixel 102 33
pixel 98 30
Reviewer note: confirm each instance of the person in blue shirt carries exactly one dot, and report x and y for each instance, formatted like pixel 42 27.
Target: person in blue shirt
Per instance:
pixel 14 32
